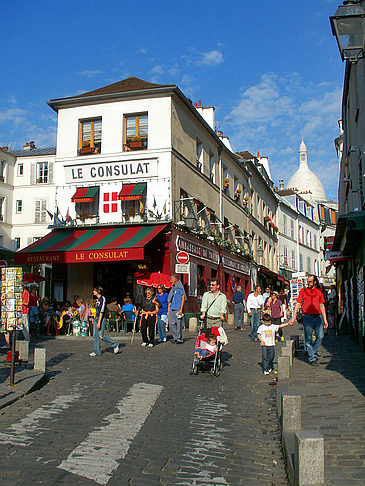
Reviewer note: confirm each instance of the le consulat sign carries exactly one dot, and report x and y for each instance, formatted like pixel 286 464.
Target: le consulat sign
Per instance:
pixel 109 171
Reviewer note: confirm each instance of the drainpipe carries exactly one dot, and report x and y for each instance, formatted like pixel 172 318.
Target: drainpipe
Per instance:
pixel 220 187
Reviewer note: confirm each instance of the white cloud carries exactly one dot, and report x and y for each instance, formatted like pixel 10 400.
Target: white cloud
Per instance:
pixel 157 70
pixel 13 115
pixel 211 58
pixel 89 73
pixel 274 114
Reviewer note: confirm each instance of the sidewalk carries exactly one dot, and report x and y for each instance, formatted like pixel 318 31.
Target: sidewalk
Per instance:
pixel 333 402
pixel 26 379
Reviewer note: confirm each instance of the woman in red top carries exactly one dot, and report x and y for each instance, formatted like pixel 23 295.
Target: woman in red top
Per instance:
pixel 312 302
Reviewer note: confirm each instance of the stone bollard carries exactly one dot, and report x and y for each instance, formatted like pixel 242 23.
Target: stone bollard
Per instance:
pixel 309 458
pixel 230 320
pixel 245 318
pixel 193 324
pixel 291 412
pixel 295 338
pixel 283 367
pixel 40 359
pixel 23 348
pixel 287 351
pixel 290 343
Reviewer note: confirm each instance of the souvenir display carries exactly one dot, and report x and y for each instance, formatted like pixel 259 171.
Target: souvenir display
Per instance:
pixel 11 299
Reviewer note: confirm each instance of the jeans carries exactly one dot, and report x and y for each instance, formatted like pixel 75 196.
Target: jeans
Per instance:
pixel 312 323
pixel 238 315
pixel 175 325
pixel 25 322
pixel 268 354
pixel 99 335
pixel 161 326
pixel 255 322
pixel 202 352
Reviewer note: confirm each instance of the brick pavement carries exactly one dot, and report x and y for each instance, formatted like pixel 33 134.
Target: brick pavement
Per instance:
pixel 333 403
pixel 201 430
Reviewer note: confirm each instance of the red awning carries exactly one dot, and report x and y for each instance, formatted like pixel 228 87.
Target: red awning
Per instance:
pixel 132 192
pixel 85 194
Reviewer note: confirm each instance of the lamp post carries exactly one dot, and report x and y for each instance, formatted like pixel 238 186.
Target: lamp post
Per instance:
pixel 260 253
pixel 348 25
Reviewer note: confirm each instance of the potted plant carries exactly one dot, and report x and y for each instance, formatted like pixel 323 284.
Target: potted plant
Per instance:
pixel 136 142
pixel 86 149
pixel 226 183
pixel 237 194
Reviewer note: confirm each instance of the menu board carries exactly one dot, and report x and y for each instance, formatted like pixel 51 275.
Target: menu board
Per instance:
pixel 11 299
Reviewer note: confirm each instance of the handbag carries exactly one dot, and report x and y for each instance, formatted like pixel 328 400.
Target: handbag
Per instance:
pixel 300 312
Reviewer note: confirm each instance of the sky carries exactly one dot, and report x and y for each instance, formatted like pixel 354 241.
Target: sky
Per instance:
pixel 271 68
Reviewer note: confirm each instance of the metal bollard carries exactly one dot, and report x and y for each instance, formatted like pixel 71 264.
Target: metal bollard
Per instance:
pixel 291 412
pixel 283 367
pixel 309 458
pixel 193 324
pixel 40 359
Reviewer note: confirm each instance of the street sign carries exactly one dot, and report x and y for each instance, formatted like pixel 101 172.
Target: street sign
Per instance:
pixel 182 257
pixel 182 268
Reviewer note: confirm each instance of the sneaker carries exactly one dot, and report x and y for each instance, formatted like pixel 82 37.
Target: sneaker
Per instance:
pixel 116 350
pixel 282 338
pixel 144 344
pixel 270 370
pixel 150 345
pixel 314 363
pixel 179 341
pixel 266 372
pixel 5 346
pixel 243 329
pixel 93 354
pixel 235 328
pixel 164 340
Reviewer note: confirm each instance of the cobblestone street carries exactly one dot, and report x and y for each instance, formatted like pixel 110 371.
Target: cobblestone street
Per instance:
pixel 140 418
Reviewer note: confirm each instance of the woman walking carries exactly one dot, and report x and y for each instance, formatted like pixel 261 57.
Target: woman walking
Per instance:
pixel 149 309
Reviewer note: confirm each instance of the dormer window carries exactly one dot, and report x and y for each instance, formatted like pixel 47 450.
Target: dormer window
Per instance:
pixel 90 137
pixel 135 132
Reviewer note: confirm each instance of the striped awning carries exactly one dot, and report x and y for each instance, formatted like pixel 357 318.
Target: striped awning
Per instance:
pixel 85 194
pixel 90 245
pixel 132 191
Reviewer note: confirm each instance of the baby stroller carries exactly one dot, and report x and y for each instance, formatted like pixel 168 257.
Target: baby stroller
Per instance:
pixel 212 361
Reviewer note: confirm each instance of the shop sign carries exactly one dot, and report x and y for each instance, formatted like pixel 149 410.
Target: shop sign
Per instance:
pixel 182 257
pixel 87 256
pixel 182 268
pixel 242 267
pixel 335 256
pixel 111 171
pixel 198 251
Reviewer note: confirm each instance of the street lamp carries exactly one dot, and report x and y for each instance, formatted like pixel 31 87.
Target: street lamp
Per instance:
pixel 260 252
pixel 348 25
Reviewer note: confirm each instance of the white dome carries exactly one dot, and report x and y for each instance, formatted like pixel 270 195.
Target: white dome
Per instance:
pixel 304 180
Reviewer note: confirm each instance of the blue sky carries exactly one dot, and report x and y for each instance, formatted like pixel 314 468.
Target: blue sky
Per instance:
pixel 271 68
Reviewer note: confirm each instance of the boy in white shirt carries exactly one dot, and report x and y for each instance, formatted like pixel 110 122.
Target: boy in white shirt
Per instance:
pixel 266 334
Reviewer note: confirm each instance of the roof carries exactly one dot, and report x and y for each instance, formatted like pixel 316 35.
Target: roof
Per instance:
pixel 245 155
pixel 286 192
pixel 32 152
pixel 124 86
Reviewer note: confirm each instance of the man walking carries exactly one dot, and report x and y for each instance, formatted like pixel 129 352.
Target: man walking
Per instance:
pixel 312 301
pixel 99 324
pixel 239 300
pixel 176 300
pixel 266 294
pixel 25 315
pixel 214 305
pixel 255 303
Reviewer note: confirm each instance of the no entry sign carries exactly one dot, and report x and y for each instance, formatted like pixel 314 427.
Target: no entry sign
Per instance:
pixel 182 257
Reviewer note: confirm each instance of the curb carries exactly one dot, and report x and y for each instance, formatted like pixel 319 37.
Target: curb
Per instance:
pixel 31 382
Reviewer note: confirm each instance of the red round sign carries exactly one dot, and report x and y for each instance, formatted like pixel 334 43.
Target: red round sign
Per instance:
pixel 3 263
pixel 182 257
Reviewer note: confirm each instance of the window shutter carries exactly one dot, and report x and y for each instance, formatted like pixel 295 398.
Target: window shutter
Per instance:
pixel 43 211
pixel 50 172
pixel 37 214
pixel 32 174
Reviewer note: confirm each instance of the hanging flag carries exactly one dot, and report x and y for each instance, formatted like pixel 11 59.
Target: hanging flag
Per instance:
pixel 141 207
pixel 57 211
pixel 164 207
pixel 49 214
pixel 154 203
pixel 57 221
pixel 68 217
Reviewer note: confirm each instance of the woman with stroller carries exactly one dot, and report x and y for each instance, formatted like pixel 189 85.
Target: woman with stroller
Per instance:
pixel 148 311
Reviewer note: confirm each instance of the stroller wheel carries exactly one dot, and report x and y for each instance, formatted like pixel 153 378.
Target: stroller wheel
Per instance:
pixel 195 370
pixel 212 372
pixel 217 373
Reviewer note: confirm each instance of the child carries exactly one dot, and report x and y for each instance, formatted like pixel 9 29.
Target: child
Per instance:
pixel 266 334
pixel 208 347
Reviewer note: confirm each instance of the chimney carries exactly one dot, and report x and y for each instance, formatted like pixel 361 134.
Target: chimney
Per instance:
pixel 281 184
pixel 29 146
pixel 220 134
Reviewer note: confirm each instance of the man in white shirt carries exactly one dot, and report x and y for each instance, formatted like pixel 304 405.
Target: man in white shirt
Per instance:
pixel 255 303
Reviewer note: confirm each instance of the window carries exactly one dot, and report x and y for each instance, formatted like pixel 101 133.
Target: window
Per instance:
pixel 42 172
pixel 301 263
pixel 2 170
pixel 309 264
pixel 90 137
pixel 2 199
pixel 135 132
pixel 300 234
pixel 211 167
pixel 20 169
pixel 17 243
pixel 293 263
pixel 314 241
pixel 18 206
pixel 285 261
pixel 292 229
pixel 40 213
pixel 284 224
pixel 199 154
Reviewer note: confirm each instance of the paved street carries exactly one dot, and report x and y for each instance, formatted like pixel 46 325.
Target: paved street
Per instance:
pixel 140 418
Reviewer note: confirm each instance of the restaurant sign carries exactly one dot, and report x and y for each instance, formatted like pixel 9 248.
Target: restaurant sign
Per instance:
pixel 198 251
pixel 242 267
pixel 86 256
pixel 111 171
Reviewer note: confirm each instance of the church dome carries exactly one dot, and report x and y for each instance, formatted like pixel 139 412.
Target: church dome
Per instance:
pixel 304 180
